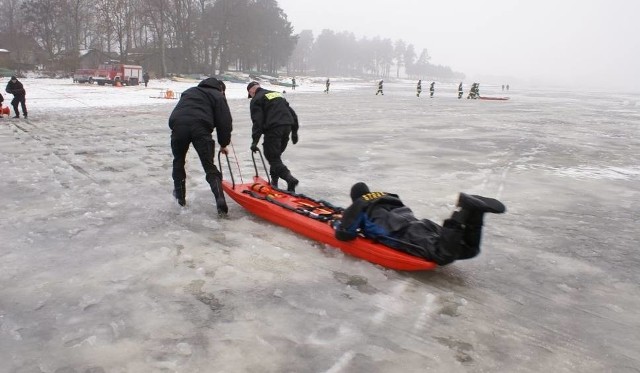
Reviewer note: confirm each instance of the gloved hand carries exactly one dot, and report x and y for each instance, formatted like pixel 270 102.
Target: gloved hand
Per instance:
pixel 294 138
pixel 254 147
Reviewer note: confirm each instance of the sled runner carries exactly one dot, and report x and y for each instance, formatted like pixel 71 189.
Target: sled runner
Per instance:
pixel 311 218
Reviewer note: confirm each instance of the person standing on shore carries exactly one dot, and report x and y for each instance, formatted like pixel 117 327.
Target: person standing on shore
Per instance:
pixel 16 88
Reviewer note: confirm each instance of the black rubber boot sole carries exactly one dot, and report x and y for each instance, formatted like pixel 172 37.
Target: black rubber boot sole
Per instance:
pixel 481 204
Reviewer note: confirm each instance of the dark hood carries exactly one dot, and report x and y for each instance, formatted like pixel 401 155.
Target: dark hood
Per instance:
pixel 213 83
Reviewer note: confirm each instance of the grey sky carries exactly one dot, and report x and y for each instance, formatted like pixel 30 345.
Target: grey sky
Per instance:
pixel 567 42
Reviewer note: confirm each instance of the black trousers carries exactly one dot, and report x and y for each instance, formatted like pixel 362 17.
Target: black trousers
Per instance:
pixel 275 143
pixel 19 100
pixel 184 135
pixel 441 244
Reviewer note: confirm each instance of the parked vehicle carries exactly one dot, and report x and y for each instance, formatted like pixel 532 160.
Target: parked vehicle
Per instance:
pixel 83 76
pixel 110 73
pixel 117 74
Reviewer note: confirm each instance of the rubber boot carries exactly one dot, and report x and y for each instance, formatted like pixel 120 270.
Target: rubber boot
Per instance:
pixel 221 203
pixel 292 183
pixel 180 192
pixel 481 204
pixel 274 180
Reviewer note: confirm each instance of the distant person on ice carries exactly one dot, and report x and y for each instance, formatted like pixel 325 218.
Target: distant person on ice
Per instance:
pixel 380 85
pixel 474 91
pixel 293 84
pixel 16 88
pixel 432 89
pixel 327 84
pixel 276 120
pixel 145 78
pixel 460 92
pixel 200 110
pixel 383 217
pixel 419 88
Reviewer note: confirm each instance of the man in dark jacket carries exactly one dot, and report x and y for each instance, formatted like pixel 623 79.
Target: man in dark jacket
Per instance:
pixel 275 119
pixel 15 88
pixel 383 217
pixel 199 111
pixel 145 78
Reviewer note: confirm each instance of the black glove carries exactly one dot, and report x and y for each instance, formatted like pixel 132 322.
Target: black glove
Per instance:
pixel 294 138
pixel 254 147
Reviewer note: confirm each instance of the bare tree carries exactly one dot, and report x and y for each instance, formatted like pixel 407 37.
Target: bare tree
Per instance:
pixel 399 51
pixel 41 21
pixel 156 12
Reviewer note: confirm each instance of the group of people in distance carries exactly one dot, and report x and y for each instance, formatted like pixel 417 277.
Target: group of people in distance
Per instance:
pixel 432 88
pixel 380 216
pixel 474 91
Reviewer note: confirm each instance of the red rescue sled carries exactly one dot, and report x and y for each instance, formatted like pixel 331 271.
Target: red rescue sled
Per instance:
pixel 493 98
pixel 312 218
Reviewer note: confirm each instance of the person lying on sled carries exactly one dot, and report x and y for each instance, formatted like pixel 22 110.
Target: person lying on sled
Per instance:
pixel 383 217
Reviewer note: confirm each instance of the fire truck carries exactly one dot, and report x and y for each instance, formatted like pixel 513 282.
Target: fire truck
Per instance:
pixel 117 74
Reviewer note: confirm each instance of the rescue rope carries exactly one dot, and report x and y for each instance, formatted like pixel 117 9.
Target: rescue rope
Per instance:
pixel 237 163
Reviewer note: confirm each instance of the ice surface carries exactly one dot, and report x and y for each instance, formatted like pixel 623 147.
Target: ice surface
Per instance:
pixel 101 271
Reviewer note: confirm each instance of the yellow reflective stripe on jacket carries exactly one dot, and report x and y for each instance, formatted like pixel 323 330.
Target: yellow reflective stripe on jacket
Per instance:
pixel 272 95
pixel 373 195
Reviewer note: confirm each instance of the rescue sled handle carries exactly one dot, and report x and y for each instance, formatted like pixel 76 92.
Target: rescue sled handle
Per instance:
pixel 233 182
pixel 255 166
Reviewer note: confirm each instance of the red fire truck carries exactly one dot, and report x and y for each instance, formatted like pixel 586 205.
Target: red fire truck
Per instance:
pixel 117 73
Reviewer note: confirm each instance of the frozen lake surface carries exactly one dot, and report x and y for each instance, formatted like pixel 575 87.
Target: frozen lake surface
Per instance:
pixel 101 271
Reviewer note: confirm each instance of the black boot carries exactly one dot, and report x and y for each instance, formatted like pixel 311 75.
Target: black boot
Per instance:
pixel 221 202
pixel 180 192
pixel 292 183
pixel 274 180
pixel 481 204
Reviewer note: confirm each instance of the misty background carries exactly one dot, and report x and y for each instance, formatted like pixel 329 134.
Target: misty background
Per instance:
pixel 571 43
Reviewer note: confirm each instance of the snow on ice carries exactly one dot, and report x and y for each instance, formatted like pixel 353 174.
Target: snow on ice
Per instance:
pixel 101 271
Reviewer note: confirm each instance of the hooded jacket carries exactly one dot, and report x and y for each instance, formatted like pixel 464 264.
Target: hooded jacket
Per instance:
pixel 16 89
pixel 204 106
pixel 269 109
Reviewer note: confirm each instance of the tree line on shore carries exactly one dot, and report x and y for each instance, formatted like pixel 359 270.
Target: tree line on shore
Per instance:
pixel 196 36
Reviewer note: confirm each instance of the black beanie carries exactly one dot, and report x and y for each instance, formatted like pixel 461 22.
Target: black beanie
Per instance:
pixel 250 85
pixel 358 190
